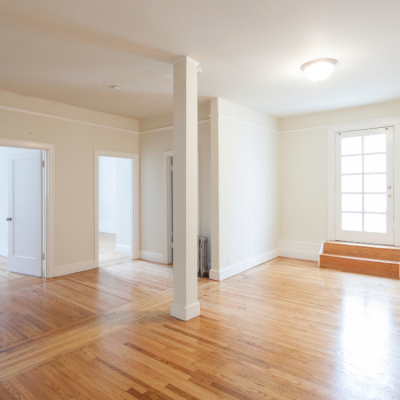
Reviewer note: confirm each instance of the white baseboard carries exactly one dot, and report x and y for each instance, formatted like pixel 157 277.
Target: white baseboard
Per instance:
pixel 185 313
pixel 301 251
pixel 235 269
pixel 107 227
pixel 3 251
pixel 153 257
pixel 120 248
pixel 73 268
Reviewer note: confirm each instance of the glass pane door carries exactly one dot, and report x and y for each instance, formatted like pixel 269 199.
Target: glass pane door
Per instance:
pixel 364 186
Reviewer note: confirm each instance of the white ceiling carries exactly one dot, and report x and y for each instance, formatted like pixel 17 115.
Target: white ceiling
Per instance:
pixel 250 52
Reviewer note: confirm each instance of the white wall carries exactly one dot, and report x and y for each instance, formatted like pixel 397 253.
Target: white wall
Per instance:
pixel 75 144
pixel 124 205
pixel 108 194
pixel 4 152
pixel 304 187
pixel 245 184
pixel 304 176
pixel 257 167
pixel 152 146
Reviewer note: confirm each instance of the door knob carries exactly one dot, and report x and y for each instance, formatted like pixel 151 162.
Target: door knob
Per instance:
pixel 390 195
pixel 9 219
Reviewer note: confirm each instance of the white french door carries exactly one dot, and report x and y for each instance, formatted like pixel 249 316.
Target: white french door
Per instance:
pixel 364 186
pixel 25 213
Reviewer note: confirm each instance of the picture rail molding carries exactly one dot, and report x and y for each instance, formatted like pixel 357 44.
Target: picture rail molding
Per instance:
pixel 78 121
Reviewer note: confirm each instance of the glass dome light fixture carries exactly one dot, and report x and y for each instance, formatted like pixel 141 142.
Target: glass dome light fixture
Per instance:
pixel 319 70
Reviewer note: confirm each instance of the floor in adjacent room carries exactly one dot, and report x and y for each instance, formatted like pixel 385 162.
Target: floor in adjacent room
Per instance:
pixel 283 330
pixel 107 254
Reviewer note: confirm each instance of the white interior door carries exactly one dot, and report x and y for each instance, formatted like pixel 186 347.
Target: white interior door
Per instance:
pixel 364 186
pixel 25 213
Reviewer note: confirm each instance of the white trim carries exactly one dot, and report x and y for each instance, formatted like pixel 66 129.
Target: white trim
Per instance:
pixel 49 197
pixel 219 115
pixel 3 251
pixel 157 130
pixel 366 121
pixel 306 129
pixel 331 184
pixel 263 127
pixel 134 227
pixel 363 236
pixel 360 125
pixel 121 248
pixel 185 58
pixel 75 267
pixel 170 127
pixel 321 251
pixel 78 121
pixel 153 257
pixel 232 270
pixel 185 313
pixel 301 251
pixel 166 196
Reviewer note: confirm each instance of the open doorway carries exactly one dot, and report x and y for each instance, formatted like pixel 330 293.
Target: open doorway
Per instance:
pixel 116 207
pixel 168 205
pixel 23 210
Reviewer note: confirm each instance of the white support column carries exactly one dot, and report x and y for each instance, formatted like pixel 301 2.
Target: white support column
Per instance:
pixel 185 305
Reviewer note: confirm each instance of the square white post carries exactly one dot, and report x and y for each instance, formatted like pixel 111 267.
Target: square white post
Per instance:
pixel 185 305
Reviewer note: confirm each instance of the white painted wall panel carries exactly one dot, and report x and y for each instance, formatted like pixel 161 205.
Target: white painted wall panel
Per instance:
pixel 304 186
pixel 108 194
pixel 249 192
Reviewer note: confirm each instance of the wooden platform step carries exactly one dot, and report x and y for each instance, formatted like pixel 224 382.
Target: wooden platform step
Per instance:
pixel 368 259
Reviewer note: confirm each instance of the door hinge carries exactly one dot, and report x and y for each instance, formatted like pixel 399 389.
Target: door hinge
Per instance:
pixel 43 257
pixel 43 163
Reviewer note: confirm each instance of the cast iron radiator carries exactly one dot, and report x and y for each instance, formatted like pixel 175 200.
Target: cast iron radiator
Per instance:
pixel 202 257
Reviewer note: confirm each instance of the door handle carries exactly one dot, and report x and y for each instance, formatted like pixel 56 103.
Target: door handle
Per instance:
pixel 9 219
pixel 390 195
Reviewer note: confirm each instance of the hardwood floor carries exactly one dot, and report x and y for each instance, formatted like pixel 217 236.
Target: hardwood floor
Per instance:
pixel 283 330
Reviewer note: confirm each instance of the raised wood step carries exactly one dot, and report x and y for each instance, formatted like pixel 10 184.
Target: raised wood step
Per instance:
pixel 388 253
pixel 358 264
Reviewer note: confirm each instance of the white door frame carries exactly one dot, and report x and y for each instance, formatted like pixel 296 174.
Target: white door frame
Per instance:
pixel 166 199
pixel 134 228
pixel 360 125
pixel 48 198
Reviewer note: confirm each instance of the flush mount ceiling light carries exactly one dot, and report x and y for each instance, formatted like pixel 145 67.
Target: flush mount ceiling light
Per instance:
pixel 319 70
